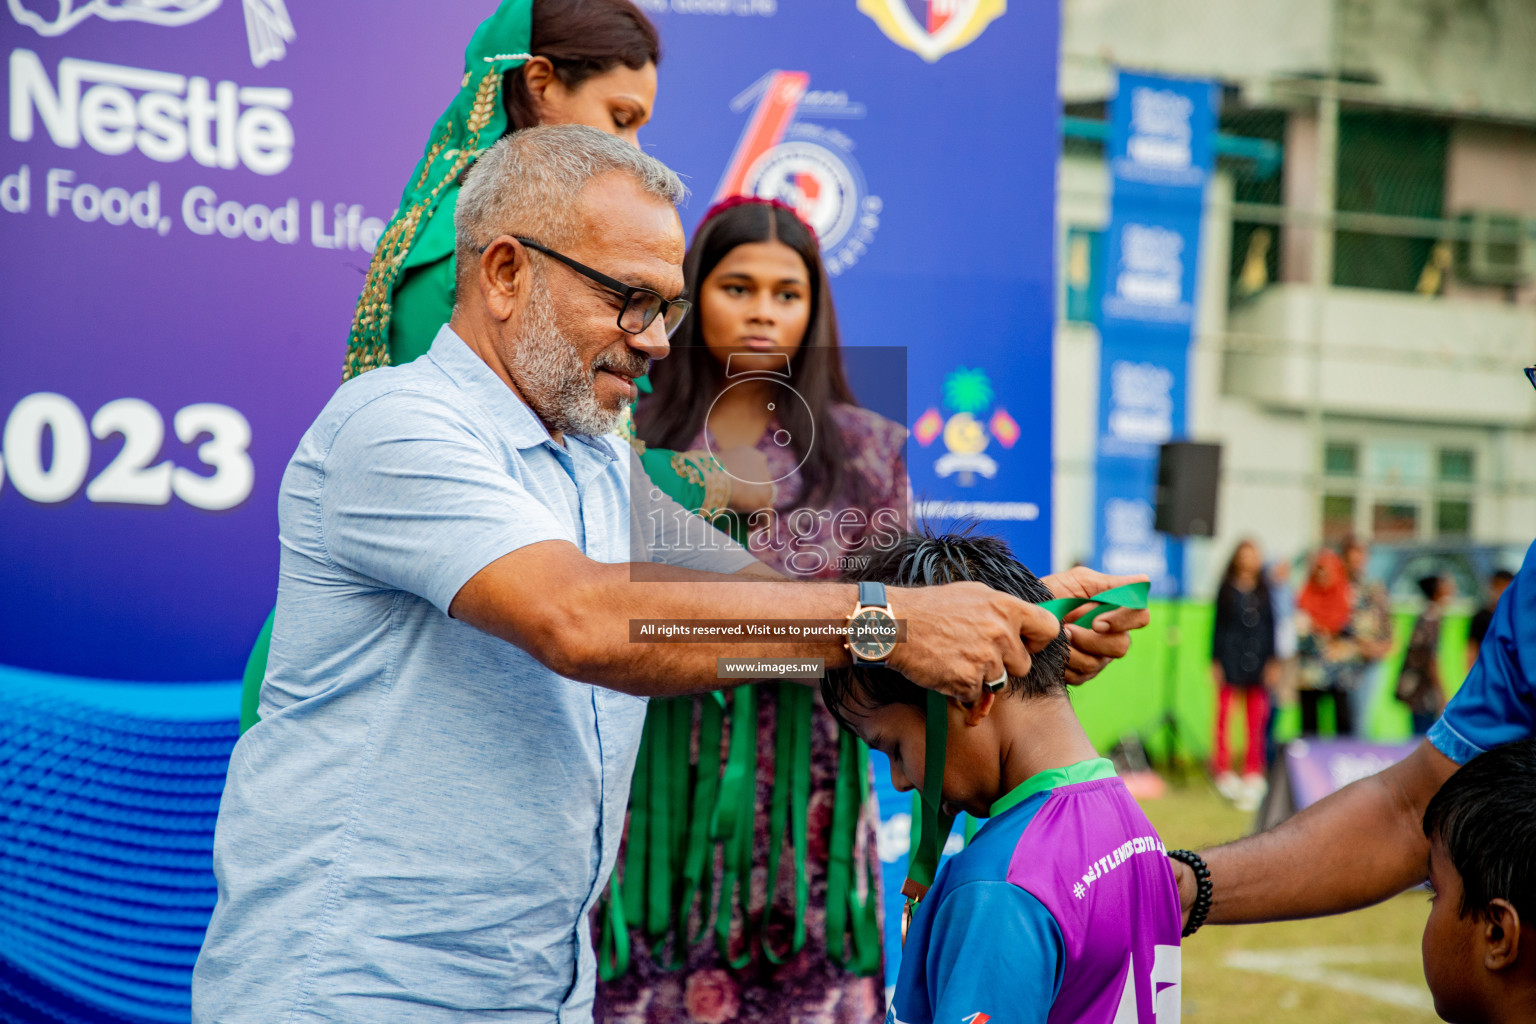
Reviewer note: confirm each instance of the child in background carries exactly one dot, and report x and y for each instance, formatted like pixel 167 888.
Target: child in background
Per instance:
pixel 1063 906
pixel 1480 940
pixel 1418 684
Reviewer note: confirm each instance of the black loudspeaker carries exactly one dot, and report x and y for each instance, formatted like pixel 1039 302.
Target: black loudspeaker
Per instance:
pixel 1186 489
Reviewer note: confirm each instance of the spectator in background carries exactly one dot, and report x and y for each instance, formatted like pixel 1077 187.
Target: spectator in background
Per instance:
pixel 1418 684
pixel 1325 645
pixel 1242 659
pixel 1371 626
pixel 1282 677
pixel 1484 615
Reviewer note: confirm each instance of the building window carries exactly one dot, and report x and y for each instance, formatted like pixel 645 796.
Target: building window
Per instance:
pixel 1393 164
pixel 1341 459
pixel 1255 248
pixel 1082 274
pixel 1394 521
pixel 1399 491
pixel 1453 518
pixel 1338 517
pixel 1457 465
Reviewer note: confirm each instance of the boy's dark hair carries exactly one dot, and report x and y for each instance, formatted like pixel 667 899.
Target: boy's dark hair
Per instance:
pixel 1429 586
pixel 1485 817
pixel 1503 576
pixel 928 559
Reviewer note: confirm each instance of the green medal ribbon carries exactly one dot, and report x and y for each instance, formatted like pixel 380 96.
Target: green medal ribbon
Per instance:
pixel 933 826
pixel 851 898
pixel 791 786
pixel 698 865
pixel 679 812
pixel 613 944
pixel 732 823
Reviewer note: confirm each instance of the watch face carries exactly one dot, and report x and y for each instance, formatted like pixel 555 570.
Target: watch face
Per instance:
pixel 872 634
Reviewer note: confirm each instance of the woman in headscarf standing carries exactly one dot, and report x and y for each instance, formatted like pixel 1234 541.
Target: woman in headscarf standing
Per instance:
pixel 590 62
pixel 1326 651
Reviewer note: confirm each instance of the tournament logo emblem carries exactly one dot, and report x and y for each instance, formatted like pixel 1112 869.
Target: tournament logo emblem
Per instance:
pixel 932 28
pixel 785 154
pixel 968 395
pixel 817 182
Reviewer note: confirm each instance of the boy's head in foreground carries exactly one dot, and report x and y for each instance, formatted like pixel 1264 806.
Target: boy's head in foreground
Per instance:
pixel 1480 940
pixel 1027 727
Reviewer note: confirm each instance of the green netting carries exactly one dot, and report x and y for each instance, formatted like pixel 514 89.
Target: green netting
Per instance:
pixel 1128 697
pixel 1392 164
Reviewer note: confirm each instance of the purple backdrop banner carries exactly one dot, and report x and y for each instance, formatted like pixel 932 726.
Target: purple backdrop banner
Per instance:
pixel 190 192
pixel 1320 767
pixel 188 211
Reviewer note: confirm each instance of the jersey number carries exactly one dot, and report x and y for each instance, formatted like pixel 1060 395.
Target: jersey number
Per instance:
pixel 1165 1000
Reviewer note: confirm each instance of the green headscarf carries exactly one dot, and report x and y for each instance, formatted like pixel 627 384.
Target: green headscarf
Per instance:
pixel 416 236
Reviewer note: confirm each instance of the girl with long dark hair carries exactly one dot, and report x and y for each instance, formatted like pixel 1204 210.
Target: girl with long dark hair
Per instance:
pixel 748 887
pixel 758 369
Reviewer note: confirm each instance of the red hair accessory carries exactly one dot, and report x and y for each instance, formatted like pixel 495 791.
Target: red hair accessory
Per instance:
pixel 731 202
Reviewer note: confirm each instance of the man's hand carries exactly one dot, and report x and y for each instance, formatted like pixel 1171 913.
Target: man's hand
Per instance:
pixel 1189 888
pixel 962 635
pixel 1093 649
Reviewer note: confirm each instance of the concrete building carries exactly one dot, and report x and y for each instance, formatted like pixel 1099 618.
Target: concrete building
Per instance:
pixel 1367 292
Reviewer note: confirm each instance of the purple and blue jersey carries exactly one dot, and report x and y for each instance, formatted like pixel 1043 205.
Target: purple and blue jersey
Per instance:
pixel 1497 703
pixel 1063 908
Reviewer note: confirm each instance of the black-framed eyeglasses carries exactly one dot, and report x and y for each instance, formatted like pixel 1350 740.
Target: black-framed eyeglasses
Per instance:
pixel 641 305
pixel 1530 375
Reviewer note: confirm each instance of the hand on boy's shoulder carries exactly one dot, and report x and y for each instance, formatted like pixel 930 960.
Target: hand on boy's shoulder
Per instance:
pixel 1109 638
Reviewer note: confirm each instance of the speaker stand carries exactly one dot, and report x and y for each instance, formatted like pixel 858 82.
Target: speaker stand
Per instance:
pixel 1178 758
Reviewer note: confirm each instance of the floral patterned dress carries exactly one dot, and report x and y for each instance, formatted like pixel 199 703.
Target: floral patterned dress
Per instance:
pixel 809 987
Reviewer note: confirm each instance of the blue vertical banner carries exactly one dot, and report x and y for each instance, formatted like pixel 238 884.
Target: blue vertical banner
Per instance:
pixel 1161 153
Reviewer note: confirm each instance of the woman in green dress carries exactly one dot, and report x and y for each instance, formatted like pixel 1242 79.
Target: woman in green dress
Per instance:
pixel 590 62
pixel 531 62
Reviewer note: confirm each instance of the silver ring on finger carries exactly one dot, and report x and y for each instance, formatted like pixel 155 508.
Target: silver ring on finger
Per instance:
pixel 997 684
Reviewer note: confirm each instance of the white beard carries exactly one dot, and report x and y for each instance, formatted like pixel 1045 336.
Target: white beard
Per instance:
pixel 548 371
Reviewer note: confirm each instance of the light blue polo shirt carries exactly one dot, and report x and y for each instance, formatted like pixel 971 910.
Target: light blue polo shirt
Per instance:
pixel 420 823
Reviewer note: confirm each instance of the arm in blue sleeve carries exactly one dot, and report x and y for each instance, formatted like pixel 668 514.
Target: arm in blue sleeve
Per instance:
pixel 1497 703
pixel 995 949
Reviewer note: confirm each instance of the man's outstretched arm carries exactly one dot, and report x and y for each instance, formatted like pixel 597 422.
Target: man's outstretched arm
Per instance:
pixel 1352 849
pixel 574 615
pixel 1366 842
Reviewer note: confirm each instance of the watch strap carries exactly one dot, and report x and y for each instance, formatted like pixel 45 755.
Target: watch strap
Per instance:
pixel 872 595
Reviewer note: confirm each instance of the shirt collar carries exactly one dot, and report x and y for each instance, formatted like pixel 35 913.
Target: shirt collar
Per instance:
pixel 1083 771
pixel 466 369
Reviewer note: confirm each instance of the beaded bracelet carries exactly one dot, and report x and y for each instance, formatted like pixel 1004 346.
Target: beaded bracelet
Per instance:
pixel 1203 888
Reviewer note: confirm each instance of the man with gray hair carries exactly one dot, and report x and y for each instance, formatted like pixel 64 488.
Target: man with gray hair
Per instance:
pixel 432 801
